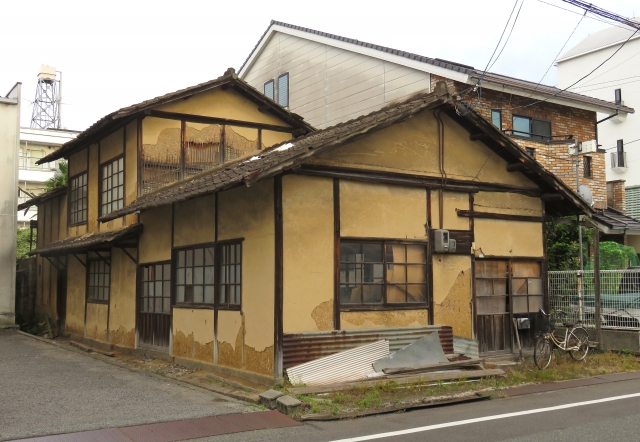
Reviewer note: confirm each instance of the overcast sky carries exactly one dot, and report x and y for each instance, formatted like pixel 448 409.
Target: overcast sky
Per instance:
pixel 117 53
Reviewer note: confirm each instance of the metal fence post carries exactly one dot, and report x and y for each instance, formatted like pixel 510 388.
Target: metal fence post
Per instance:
pixel 596 283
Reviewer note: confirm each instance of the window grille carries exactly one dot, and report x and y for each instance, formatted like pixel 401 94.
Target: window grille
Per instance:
pixel 156 288
pixel 112 189
pixel 99 275
pixel 586 163
pixel 78 200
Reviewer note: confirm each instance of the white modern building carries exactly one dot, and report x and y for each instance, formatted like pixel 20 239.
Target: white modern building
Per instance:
pixel 34 145
pixel 617 80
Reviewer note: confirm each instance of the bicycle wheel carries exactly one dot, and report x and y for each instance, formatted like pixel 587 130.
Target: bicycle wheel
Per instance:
pixel 578 343
pixel 542 352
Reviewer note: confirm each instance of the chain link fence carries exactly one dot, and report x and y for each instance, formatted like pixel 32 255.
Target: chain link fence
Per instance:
pixel 572 291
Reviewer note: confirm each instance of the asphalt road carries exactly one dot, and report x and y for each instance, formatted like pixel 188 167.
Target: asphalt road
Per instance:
pixel 45 389
pixel 614 420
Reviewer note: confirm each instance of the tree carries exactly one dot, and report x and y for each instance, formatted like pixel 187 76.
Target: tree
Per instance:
pixel 563 246
pixel 23 242
pixel 60 178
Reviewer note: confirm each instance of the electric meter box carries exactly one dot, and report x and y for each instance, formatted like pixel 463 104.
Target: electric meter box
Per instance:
pixel 442 242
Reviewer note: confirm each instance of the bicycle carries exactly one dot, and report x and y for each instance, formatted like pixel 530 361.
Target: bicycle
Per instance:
pixel 576 342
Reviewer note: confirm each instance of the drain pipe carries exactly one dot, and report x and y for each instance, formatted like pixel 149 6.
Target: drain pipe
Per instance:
pixel 443 174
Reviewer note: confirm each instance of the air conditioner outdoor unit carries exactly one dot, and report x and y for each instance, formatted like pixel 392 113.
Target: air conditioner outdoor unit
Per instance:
pixel 590 146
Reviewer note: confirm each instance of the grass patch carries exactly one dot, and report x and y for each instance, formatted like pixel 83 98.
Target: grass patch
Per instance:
pixel 389 394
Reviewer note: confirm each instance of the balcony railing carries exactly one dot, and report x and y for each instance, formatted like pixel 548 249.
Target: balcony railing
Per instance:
pixel 29 163
pixel 618 161
pixel 537 137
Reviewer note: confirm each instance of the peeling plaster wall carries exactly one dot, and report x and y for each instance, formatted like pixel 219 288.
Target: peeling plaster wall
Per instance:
pixel 509 203
pixel 379 319
pixel 452 293
pixel 508 238
pixel 122 299
pixel 308 248
pixel 194 221
pixel 412 147
pixel 193 334
pixel 112 145
pixel 78 162
pixel 222 104
pixel 155 240
pixel 382 211
pixel 96 325
pixel 248 212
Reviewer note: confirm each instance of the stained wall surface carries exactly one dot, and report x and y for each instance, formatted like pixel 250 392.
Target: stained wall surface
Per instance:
pixel 96 321
pixel 308 247
pixel 76 287
pixel 155 240
pixel 412 147
pixel 248 213
pixel 122 299
pixel 194 221
pixel 508 238
pixel 193 333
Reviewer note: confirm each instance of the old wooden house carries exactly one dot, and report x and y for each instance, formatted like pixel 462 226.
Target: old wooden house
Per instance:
pixel 213 225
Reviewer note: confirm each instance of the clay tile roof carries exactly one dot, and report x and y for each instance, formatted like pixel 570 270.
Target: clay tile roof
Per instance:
pixel 89 240
pixel 111 121
pixel 292 153
pixel 616 220
pixel 42 197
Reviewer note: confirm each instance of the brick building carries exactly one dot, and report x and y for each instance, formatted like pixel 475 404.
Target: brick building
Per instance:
pixel 330 79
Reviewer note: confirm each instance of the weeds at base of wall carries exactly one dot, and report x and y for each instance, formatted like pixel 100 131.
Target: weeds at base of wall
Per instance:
pixel 389 395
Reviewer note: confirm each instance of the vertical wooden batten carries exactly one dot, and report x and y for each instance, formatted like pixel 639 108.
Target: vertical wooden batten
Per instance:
pixel 336 254
pixel 216 294
pixel 278 289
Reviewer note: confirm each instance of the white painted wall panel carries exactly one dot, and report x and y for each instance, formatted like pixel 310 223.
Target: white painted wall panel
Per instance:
pixel 328 85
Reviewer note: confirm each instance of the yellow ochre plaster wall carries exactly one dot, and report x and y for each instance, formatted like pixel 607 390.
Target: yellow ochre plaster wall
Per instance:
pixel 78 162
pixel 412 147
pixel 382 319
pixel 155 240
pixel 92 189
pixel 453 201
pixel 194 221
pixel 227 104
pixel 248 212
pixel 122 299
pixel 193 334
pixel 96 325
pixel 307 204
pixel 452 293
pixel 382 211
pixel 76 287
pixel 508 238
pixel 509 203
pixel 62 228
pixel 112 145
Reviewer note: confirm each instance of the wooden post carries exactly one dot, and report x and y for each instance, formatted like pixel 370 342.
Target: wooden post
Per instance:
pixel 596 283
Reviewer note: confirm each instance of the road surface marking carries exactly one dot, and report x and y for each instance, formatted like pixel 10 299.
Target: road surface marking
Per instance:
pixel 486 418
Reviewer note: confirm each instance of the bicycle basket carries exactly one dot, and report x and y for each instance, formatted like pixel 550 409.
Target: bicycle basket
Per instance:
pixel 545 324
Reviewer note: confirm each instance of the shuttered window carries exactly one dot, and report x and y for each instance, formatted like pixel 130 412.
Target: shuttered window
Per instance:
pixel 269 89
pixel 283 90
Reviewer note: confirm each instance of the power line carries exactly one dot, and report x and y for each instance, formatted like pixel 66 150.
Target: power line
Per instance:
pixel 590 7
pixel 574 12
pixel 508 36
pixel 628 142
pixel 609 70
pixel 567 88
pixel 608 86
pixel 610 81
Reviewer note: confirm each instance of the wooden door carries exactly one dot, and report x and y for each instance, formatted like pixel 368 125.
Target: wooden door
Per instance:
pixel 492 300
pixel 154 306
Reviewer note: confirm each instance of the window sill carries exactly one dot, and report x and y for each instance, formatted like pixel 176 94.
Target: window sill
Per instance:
pixel 185 305
pixel 235 308
pixel 390 307
pixel 83 223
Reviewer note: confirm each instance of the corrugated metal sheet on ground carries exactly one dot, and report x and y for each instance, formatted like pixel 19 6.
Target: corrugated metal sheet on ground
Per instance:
pixel 303 347
pixel 467 347
pixel 348 365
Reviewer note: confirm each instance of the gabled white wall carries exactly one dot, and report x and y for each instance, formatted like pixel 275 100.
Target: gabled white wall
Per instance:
pixel 328 85
pixel 621 72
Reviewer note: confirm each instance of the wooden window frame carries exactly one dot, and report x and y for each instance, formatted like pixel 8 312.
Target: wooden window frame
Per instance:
pixel 142 280
pixel 216 304
pixel 89 298
pixel 101 178
pixel 70 201
pixel 286 74
pixel 384 305
pixel 273 89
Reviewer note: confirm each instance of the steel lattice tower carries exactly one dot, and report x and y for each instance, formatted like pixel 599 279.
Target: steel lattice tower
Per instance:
pixel 46 106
